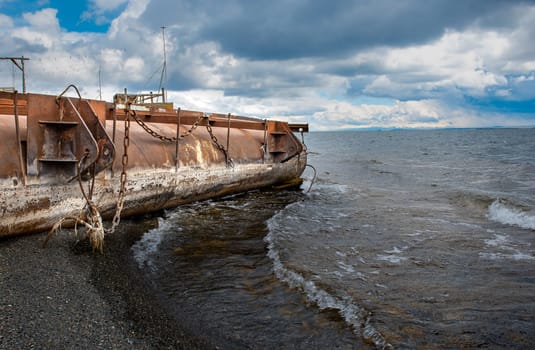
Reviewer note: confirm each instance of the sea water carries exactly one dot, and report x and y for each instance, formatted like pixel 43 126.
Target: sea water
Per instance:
pixel 406 239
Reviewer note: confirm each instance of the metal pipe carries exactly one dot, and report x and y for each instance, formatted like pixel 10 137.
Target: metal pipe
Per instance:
pixel 265 142
pixel 114 127
pixel 23 75
pixel 66 89
pixel 228 137
pixel 19 145
pixel 177 161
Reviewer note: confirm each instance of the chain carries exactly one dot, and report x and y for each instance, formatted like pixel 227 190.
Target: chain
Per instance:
pixel 122 191
pixel 162 137
pixel 92 219
pixel 228 160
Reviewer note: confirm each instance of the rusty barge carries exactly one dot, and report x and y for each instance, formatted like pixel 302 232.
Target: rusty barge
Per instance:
pixel 71 160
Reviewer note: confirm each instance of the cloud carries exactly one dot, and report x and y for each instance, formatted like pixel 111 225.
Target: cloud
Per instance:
pixel 44 20
pixel 100 10
pixel 457 61
pixel 5 21
pixel 127 22
pixel 281 29
pixel 106 5
pixel 347 64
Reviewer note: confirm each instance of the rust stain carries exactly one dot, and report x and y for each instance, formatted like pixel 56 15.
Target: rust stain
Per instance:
pixel 36 204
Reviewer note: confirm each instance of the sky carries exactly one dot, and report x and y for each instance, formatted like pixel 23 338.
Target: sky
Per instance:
pixel 337 65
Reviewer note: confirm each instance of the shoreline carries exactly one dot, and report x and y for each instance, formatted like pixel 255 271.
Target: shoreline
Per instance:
pixel 66 296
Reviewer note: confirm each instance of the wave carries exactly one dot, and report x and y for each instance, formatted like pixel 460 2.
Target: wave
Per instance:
pixel 503 256
pixel 328 187
pixel 354 315
pixel 474 202
pixel 500 212
pixel 148 245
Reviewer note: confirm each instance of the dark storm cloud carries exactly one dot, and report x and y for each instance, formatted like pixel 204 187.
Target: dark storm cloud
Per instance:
pixel 282 29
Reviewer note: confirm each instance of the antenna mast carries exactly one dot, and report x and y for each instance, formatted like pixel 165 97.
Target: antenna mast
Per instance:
pixel 163 78
pixel 99 84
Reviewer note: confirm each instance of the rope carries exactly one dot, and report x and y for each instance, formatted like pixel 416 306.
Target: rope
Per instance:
pixel 91 218
pixel 313 178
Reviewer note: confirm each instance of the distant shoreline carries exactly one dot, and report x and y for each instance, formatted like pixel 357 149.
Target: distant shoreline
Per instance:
pixel 422 129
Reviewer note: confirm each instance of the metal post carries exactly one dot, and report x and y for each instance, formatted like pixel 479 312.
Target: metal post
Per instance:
pixel 177 161
pixel 265 142
pixel 228 136
pixel 23 75
pixel 113 136
pixel 19 145
pixel 99 84
pixel 163 78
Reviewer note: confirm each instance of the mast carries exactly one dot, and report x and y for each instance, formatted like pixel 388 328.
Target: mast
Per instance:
pixel 99 84
pixel 163 78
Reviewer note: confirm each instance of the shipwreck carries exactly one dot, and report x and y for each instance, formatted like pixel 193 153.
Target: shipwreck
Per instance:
pixel 70 161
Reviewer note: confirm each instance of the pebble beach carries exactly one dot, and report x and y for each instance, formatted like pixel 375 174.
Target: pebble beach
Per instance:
pixel 65 296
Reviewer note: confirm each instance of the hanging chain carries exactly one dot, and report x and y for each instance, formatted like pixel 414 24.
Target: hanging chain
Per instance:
pixel 92 219
pixel 122 191
pixel 162 137
pixel 228 160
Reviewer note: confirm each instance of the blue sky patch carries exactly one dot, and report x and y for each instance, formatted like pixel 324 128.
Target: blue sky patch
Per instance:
pixel 75 16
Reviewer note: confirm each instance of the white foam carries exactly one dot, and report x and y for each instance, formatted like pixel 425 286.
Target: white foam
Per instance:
pixel 497 241
pixel 331 188
pixel 501 213
pixel 506 249
pixel 354 315
pixel 345 267
pixel 148 245
pixel 452 223
pixel 394 250
pixel 502 256
pixel 339 253
pixel 415 233
pixel 394 259
pixel 392 255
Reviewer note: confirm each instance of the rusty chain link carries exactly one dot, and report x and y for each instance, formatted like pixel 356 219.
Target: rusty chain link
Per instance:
pixel 162 137
pixel 122 191
pixel 228 160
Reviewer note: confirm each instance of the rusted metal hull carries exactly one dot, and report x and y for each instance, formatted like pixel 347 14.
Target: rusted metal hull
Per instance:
pixel 50 144
pixel 35 208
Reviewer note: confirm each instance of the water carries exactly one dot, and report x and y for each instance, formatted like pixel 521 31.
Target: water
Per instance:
pixel 407 239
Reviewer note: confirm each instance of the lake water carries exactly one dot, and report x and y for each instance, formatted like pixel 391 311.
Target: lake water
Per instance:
pixel 406 239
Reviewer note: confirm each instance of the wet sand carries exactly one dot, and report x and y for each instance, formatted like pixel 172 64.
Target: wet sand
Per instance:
pixel 65 296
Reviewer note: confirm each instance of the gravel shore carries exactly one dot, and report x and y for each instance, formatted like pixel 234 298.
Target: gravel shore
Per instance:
pixel 65 296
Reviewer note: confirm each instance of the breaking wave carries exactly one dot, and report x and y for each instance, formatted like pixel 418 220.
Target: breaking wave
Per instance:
pixel 148 245
pixel 498 211
pixel 354 315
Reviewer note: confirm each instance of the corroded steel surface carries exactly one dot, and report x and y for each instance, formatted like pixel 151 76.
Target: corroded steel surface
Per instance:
pixel 36 207
pixel 173 157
